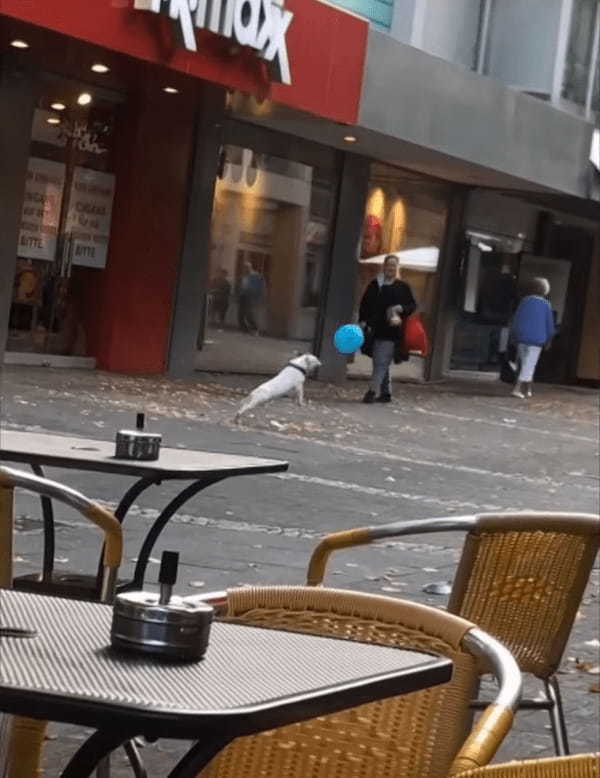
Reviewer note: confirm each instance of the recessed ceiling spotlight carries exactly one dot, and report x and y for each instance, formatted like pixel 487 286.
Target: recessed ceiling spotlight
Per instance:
pixel 19 44
pixel 53 120
pixel 98 67
pixel 58 106
pixel 170 90
pixel 350 138
pixel 84 98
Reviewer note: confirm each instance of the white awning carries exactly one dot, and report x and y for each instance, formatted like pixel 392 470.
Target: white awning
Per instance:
pixel 424 259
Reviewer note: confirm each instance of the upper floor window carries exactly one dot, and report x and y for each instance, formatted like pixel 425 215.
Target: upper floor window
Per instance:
pixel 377 11
pixel 582 60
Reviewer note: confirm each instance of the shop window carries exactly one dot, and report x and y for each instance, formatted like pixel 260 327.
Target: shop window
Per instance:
pixel 451 30
pixel 65 224
pixel 405 216
pixel 582 62
pixel 268 259
pixel 377 11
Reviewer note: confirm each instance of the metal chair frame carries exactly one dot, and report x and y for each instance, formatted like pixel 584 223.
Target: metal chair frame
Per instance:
pixel 264 606
pixel 22 729
pixel 585 524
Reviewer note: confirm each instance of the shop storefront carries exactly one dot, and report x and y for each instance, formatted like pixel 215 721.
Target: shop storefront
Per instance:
pixel 406 215
pixel 128 177
pixel 178 197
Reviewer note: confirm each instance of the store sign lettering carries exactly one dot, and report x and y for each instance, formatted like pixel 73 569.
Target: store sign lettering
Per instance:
pixel 260 24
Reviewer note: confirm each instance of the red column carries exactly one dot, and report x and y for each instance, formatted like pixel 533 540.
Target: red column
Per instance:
pixel 130 327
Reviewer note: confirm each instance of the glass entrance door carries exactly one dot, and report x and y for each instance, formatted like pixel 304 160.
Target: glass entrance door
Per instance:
pixel 489 296
pixel 268 261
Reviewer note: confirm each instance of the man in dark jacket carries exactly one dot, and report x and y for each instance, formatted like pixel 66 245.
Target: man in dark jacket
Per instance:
pixel 386 303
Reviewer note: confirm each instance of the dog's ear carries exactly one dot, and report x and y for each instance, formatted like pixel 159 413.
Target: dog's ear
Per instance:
pixel 297 353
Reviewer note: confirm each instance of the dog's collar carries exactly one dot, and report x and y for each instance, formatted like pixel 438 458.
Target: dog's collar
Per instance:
pixel 297 367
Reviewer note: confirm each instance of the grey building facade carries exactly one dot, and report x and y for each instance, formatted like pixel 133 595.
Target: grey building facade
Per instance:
pixel 469 158
pixel 497 102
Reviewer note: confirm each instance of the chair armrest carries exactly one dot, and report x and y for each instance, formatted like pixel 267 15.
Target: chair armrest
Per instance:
pixel 366 535
pixel 497 719
pixel 102 518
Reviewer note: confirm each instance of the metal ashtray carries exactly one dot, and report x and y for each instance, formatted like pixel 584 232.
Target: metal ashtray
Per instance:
pixel 162 624
pixel 137 444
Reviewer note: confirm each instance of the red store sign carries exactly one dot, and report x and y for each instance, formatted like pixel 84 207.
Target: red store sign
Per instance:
pixel 315 51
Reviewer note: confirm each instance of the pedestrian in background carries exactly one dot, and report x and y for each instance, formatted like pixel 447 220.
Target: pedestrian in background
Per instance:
pixel 385 305
pixel 220 291
pixel 251 292
pixel 532 328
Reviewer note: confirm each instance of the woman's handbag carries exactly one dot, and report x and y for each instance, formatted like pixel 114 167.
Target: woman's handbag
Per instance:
pixel 415 337
pixel 367 346
pixel 508 360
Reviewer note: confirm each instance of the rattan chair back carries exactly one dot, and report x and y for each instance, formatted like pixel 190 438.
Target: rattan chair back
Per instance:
pixel 414 736
pixel 521 578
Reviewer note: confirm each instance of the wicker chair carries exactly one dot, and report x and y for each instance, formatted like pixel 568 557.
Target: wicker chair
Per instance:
pixel 21 739
pixel 521 578
pixel 580 766
pixel 420 735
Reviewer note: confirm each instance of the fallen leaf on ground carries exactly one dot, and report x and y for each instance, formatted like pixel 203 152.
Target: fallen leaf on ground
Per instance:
pixel 587 667
pixel 595 688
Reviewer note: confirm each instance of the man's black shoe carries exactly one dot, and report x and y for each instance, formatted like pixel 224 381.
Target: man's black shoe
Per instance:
pixel 369 397
pixel 384 398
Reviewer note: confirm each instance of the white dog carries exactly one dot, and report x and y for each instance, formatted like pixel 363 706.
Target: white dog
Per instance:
pixel 290 379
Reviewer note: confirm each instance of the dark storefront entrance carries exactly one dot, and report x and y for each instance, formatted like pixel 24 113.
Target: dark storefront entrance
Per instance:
pixel 494 271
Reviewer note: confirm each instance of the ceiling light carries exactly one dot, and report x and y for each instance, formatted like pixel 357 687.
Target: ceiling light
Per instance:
pixel 58 106
pixel 350 138
pixel 98 67
pixel 170 90
pixel 53 120
pixel 19 44
pixel 84 98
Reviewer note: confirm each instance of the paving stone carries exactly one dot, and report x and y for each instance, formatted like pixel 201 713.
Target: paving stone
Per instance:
pixel 447 446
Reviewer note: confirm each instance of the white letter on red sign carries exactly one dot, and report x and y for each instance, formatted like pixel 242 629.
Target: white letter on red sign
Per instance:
pixel 277 47
pixel 245 21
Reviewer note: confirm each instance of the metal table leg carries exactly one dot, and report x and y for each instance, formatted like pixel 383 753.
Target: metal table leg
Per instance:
pixel 160 524
pixel 94 751
pixel 131 495
pixel 122 509
pixel 49 543
pixel 199 756
pixel 135 760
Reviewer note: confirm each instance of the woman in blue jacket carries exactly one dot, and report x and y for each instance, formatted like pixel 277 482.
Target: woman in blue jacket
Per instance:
pixel 532 328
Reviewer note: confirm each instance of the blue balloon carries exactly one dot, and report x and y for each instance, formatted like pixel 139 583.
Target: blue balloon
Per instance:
pixel 348 338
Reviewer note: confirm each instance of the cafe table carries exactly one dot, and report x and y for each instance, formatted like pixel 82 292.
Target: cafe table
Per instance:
pixel 196 470
pixel 251 679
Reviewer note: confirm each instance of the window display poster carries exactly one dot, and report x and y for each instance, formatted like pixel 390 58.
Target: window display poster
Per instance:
pixel 89 215
pixel 41 209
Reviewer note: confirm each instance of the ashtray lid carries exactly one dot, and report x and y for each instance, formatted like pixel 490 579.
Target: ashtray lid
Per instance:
pixel 146 606
pixel 137 435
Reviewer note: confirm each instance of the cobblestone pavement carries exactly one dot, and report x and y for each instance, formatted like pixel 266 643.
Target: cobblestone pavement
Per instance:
pixel 444 449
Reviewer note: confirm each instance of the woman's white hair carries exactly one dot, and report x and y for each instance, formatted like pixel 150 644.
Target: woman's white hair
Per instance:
pixel 540 286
